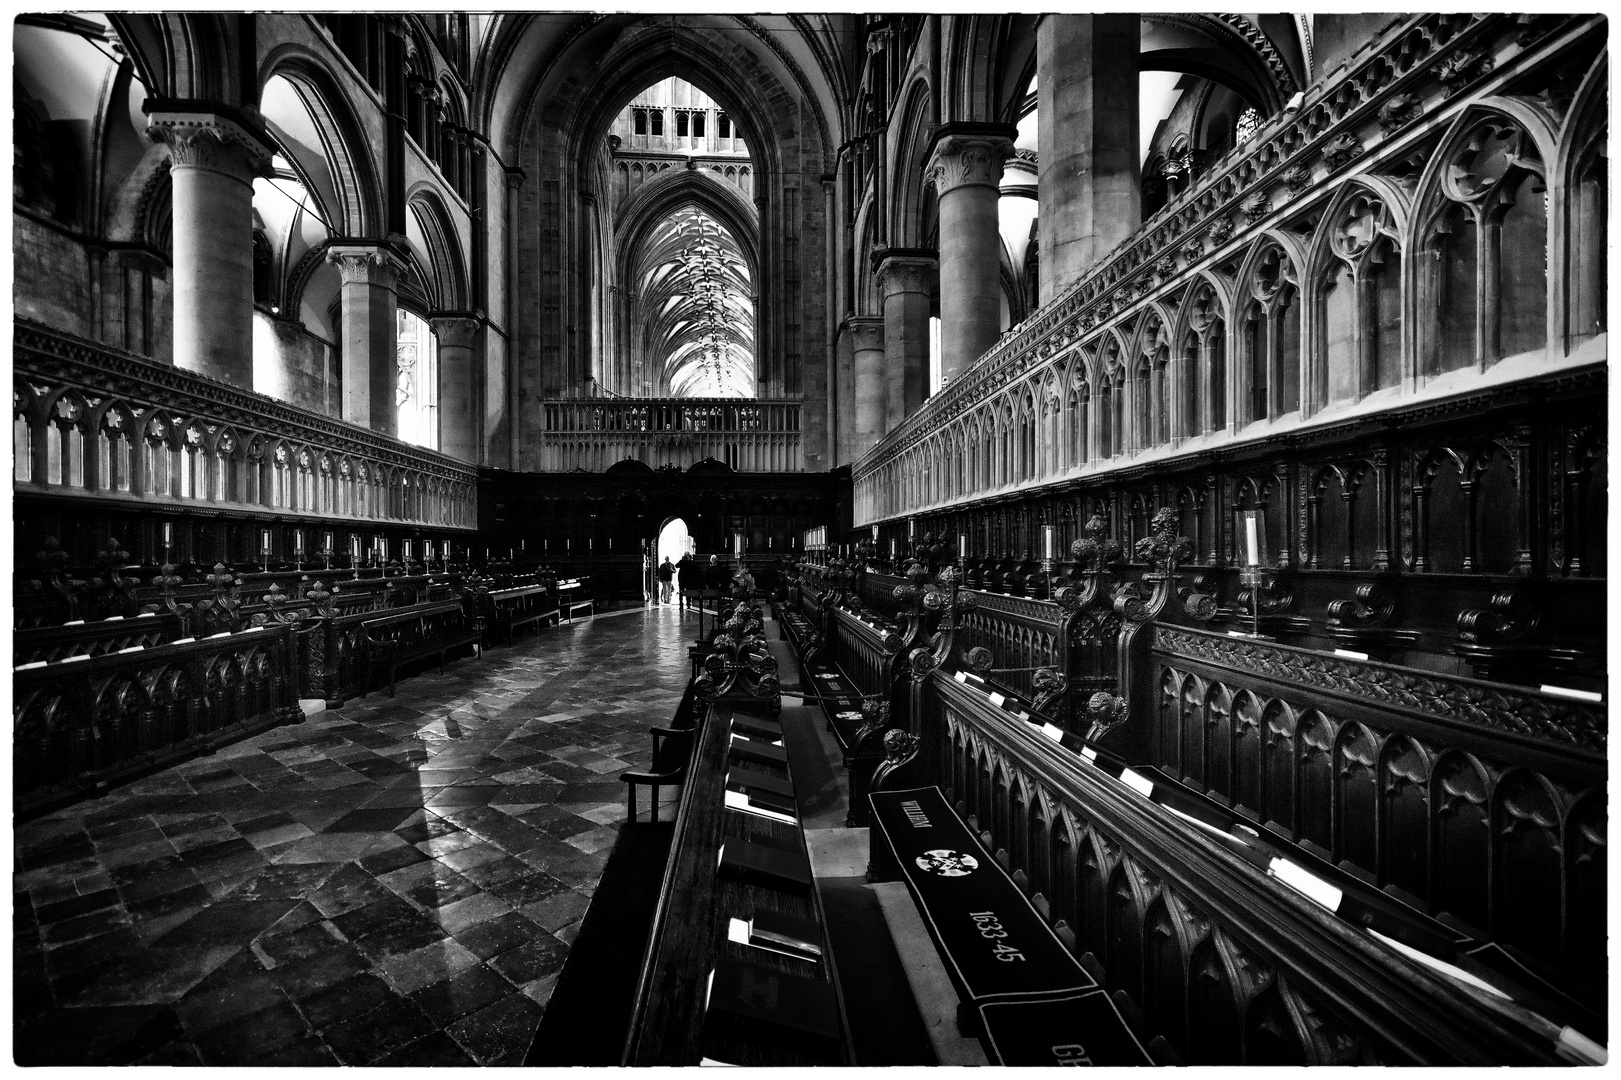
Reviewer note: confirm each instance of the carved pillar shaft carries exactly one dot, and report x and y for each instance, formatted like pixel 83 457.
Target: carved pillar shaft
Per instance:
pixel 966 168
pixel 904 281
pixel 369 334
pixel 214 163
pixel 459 368
pixel 1087 79
pixel 867 336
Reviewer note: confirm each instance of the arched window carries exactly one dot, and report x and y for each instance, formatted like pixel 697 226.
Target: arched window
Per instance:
pixel 1271 339
pixel 1590 211
pixel 681 124
pixel 1204 365
pixel 1484 290
pixel 697 125
pixel 1358 343
pixel 417 385
pixel 1249 122
pixel 261 267
pixel 723 124
pixel 657 117
pixel 639 123
pixel 1080 432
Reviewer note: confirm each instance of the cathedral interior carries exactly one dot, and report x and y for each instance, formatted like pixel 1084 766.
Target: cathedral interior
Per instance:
pixel 849 539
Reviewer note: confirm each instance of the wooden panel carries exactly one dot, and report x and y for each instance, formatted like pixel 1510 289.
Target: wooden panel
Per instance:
pixel 1226 965
pixel 695 908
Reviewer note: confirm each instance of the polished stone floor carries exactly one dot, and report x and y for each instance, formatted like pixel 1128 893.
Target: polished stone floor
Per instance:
pixel 395 882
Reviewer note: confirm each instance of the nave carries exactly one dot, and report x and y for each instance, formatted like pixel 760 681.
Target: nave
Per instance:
pixel 395 882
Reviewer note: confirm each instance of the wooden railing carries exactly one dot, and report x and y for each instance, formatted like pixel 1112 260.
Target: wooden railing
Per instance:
pixel 747 435
pixel 1479 802
pixel 83 725
pixel 865 652
pixel 1203 330
pixel 1223 962
pixel 91 422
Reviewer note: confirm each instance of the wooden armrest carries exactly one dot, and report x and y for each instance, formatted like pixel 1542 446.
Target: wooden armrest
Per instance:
pixel 637 776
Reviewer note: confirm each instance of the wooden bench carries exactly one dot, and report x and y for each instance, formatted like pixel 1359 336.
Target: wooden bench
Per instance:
pixel 416 633
pixel 689 934
pixel 99 638
pixel 523 606
pixel 1016 981
pixel 572 595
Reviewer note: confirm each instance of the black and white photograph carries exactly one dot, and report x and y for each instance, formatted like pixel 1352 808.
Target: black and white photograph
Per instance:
pixel 625 538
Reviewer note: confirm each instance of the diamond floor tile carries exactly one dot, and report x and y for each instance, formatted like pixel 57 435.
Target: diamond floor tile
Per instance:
pixel 395 882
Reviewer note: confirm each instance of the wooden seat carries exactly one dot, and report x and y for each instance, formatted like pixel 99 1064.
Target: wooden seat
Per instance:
pixel 416 633
pixel 672 750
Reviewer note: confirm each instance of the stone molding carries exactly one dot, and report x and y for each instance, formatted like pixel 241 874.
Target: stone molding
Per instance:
pixel 1471 701
pixel 366 264
pixel 455 331
pixel 967 160
pixel 905 274
pixel 867 332
pixel 206 140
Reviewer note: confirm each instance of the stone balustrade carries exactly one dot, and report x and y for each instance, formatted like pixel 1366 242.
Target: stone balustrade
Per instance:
pixel 748 435
pixel 92 421
pixel 1341 260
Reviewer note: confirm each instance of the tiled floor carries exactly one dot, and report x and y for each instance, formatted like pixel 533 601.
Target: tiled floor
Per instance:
pixel 394 882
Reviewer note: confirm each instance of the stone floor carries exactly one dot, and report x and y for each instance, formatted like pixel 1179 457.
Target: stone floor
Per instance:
pixel 395 882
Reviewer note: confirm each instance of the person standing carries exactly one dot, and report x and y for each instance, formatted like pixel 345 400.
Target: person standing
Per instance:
pixel 666 575
pixel 686 578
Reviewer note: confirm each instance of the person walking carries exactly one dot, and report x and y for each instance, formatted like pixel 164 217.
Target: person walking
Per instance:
pixel 666 575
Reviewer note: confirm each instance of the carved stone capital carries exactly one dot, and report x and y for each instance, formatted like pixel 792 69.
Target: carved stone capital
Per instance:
pixel 968 156
pixel 866 332
pixel 365 264
pixel 203 140
pixel 908 273
pixel 455 331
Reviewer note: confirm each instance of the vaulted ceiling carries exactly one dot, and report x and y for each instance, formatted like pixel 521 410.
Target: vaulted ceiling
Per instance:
pixel 696 299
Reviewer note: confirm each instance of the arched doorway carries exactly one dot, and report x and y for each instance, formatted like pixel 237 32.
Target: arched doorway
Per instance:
pixel 674 541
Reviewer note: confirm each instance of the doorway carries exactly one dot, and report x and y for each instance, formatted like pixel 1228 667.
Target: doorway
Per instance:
pixel 675 541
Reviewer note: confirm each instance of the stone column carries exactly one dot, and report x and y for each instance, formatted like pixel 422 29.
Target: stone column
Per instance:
pixel 867 336
pixel 214 160
pixel 370 334
pixel 459 367
pixel 966 169
pixel 904 280
pixel 1089 161
pixel 846 357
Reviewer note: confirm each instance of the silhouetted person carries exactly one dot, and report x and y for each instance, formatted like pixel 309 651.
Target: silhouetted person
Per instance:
pixel 688 578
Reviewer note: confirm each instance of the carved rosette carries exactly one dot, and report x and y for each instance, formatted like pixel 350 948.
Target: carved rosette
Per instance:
pixel 1400 110
pixel 212 142
pixel 1340 149
pixel 967 161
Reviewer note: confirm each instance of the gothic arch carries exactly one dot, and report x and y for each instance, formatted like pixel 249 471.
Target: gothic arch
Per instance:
pixel 445 275
pixel 669 191
pixel 911 192
pixel 349 158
